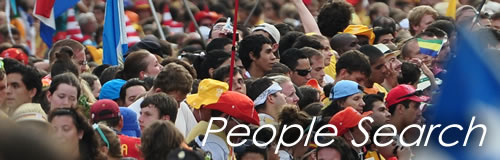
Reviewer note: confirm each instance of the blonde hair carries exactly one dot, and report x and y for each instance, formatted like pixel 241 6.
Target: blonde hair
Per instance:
pixel 280 79
pixel 416 14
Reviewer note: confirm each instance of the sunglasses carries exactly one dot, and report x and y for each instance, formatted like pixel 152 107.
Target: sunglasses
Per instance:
pixel 303 72
pixel 416 93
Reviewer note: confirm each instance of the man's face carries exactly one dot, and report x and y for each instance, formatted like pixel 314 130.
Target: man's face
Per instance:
pixel 355 101
pixel 424 22
pixel 80 60
pixel 329 154
pixel 356 76
pixel 265 34
pixel 495 24
pixel 149 115
pixel 132 93
pixel 318 67
pixel 412 113
pixel 17 93
pixel 266 60
pixel 386 39
pixel 363 40
pixel 380 114
pixel 290 93
pixel 393 64
pixel 379 70
pixel 302 73
pixel 238 83
pixel 352 43
pixel 327 51
pixel 3 89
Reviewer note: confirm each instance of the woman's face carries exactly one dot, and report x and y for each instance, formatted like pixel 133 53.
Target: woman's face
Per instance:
pixel 153 68
pixel 290 93
pixel 97 88
pixel 65 96
pixel 66 133
pixel 355 101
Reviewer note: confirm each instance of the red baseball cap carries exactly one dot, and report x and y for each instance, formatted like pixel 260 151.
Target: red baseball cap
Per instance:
pixel 104 109
pixel 236 105
pixel 15 53
pixel 404 92
pixel 345 119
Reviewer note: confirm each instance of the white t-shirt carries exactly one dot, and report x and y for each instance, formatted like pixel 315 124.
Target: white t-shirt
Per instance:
pixel 328 79
pixel 185 120
pixel 136 107
pixel 284 155
pixel 215 145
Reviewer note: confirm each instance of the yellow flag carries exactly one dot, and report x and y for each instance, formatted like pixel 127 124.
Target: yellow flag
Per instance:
pixel 452 8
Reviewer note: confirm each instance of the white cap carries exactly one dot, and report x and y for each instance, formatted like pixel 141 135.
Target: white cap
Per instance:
pixel 273 31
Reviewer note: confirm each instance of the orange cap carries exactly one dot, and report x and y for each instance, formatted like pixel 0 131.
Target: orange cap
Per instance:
pixel 346 119
pixel 361 30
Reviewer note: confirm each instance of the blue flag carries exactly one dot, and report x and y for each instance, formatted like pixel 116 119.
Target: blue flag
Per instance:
pixel 47 11
pixel 470 90
pixel 114 33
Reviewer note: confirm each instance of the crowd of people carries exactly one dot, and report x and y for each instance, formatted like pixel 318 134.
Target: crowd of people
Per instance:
pixel 305 63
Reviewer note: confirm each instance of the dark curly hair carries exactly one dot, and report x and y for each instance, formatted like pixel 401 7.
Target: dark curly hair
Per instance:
pixel 159 139
pixel 334 17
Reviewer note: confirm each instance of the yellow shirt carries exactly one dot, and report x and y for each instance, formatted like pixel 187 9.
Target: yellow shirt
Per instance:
pixel 330 69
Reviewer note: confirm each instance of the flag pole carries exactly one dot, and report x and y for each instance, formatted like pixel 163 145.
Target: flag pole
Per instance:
pixel 7 15
pixel 194 20
pixel 251 12
pixel 160 29
pixel 233 49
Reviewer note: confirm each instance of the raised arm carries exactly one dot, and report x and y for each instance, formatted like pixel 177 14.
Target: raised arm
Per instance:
pixel 306 18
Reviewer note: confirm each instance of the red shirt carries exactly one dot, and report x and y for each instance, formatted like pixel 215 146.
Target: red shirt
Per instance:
pixel 130 146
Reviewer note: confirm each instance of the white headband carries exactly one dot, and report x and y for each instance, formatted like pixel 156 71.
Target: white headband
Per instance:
pixel 261 99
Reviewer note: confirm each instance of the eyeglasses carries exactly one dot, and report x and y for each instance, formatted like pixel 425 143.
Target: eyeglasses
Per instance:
pixel 303 72
pixel 96 127
pixel 416 93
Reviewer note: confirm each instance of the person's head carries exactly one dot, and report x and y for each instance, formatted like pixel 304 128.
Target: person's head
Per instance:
pixel 109 141
pixel 250 151
pixel 74 134
pixel 411 50
pixel 347 93
pixel 175 81
pixel 363 33
pixel 222 74
pixel 386 151
pixel 378 9
pixel 107 111
pixel 220 43
pixel 88 23
pixel 313 95
pixel 317 63
pixel 213 60
pixel 353 66
pixel 495 20
pixel 377 63
pixel 299 65
pixel 158 106
pixel 94 83
pixel 140 64
pixel 267 96
pixel 334 17
pixel 404 102
pixel 291 115
pixel 24 85
pixel 288 40
pixel 287 88
pixel 159 139
pixel 78 49
pixel 33 118
pixel 446 26
pixel 337 150
pixel 375 103
pixel 64 91
pixel 131 90
pixel 385 22
pixel 185 64
pixel 344 42
pixel 109 73
pixel 326 49
pixel 410 74
pixel 420 17
pixel 269 31
pixel 255 51
pixel 383 35
pixel 465 12
pixel 347 121
pixel 63 63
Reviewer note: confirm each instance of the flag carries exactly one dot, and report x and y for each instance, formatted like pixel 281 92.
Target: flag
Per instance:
pixel 173 26
pixel 471 88
pixel 73 30
pixel 132 35
pixel 47 11
pixel 114 33
pixel 452 8
pixel 430 47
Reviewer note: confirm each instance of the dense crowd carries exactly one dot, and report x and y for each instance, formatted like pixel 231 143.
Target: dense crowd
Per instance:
pixel 301 63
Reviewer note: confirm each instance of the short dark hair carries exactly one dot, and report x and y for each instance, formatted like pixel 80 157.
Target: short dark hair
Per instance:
pixel 283 28
pixel 311 97
pixel 425 33
pixel 222 72
pixel 90 79
pixel 185 64
pixel 339 144
pixel 278 68
pixel 109 73
pixel 213 59
pixel 372 52
pixel 353 61
pixel 385 22
pixel 130 83
pixel 291 56
pixel 444 25
pixel 410 73
pixel 436 31
pixel 307 41
pixel 406 103
pixel 31 77
pixel 165 104
pixel 65 78
pixel 380 31
pixel 334 17
pixel 63 62
pixel 369 99
pixel 313 109
pixel 288 40
pixel 174 77
pixel 218 43
pixel 252 43
pixel 99 69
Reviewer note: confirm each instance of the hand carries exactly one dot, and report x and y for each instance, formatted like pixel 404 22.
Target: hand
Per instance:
pixel 403 153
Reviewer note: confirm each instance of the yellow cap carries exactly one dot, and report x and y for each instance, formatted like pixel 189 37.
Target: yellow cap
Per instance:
pixel 361 30
pixel 209 92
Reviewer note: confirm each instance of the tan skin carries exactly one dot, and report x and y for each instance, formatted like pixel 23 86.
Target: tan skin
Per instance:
pixel 63 97
pixel 68 136
pixel 264 63
pixel 303 64
pixel 355 101
pixel 17 93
